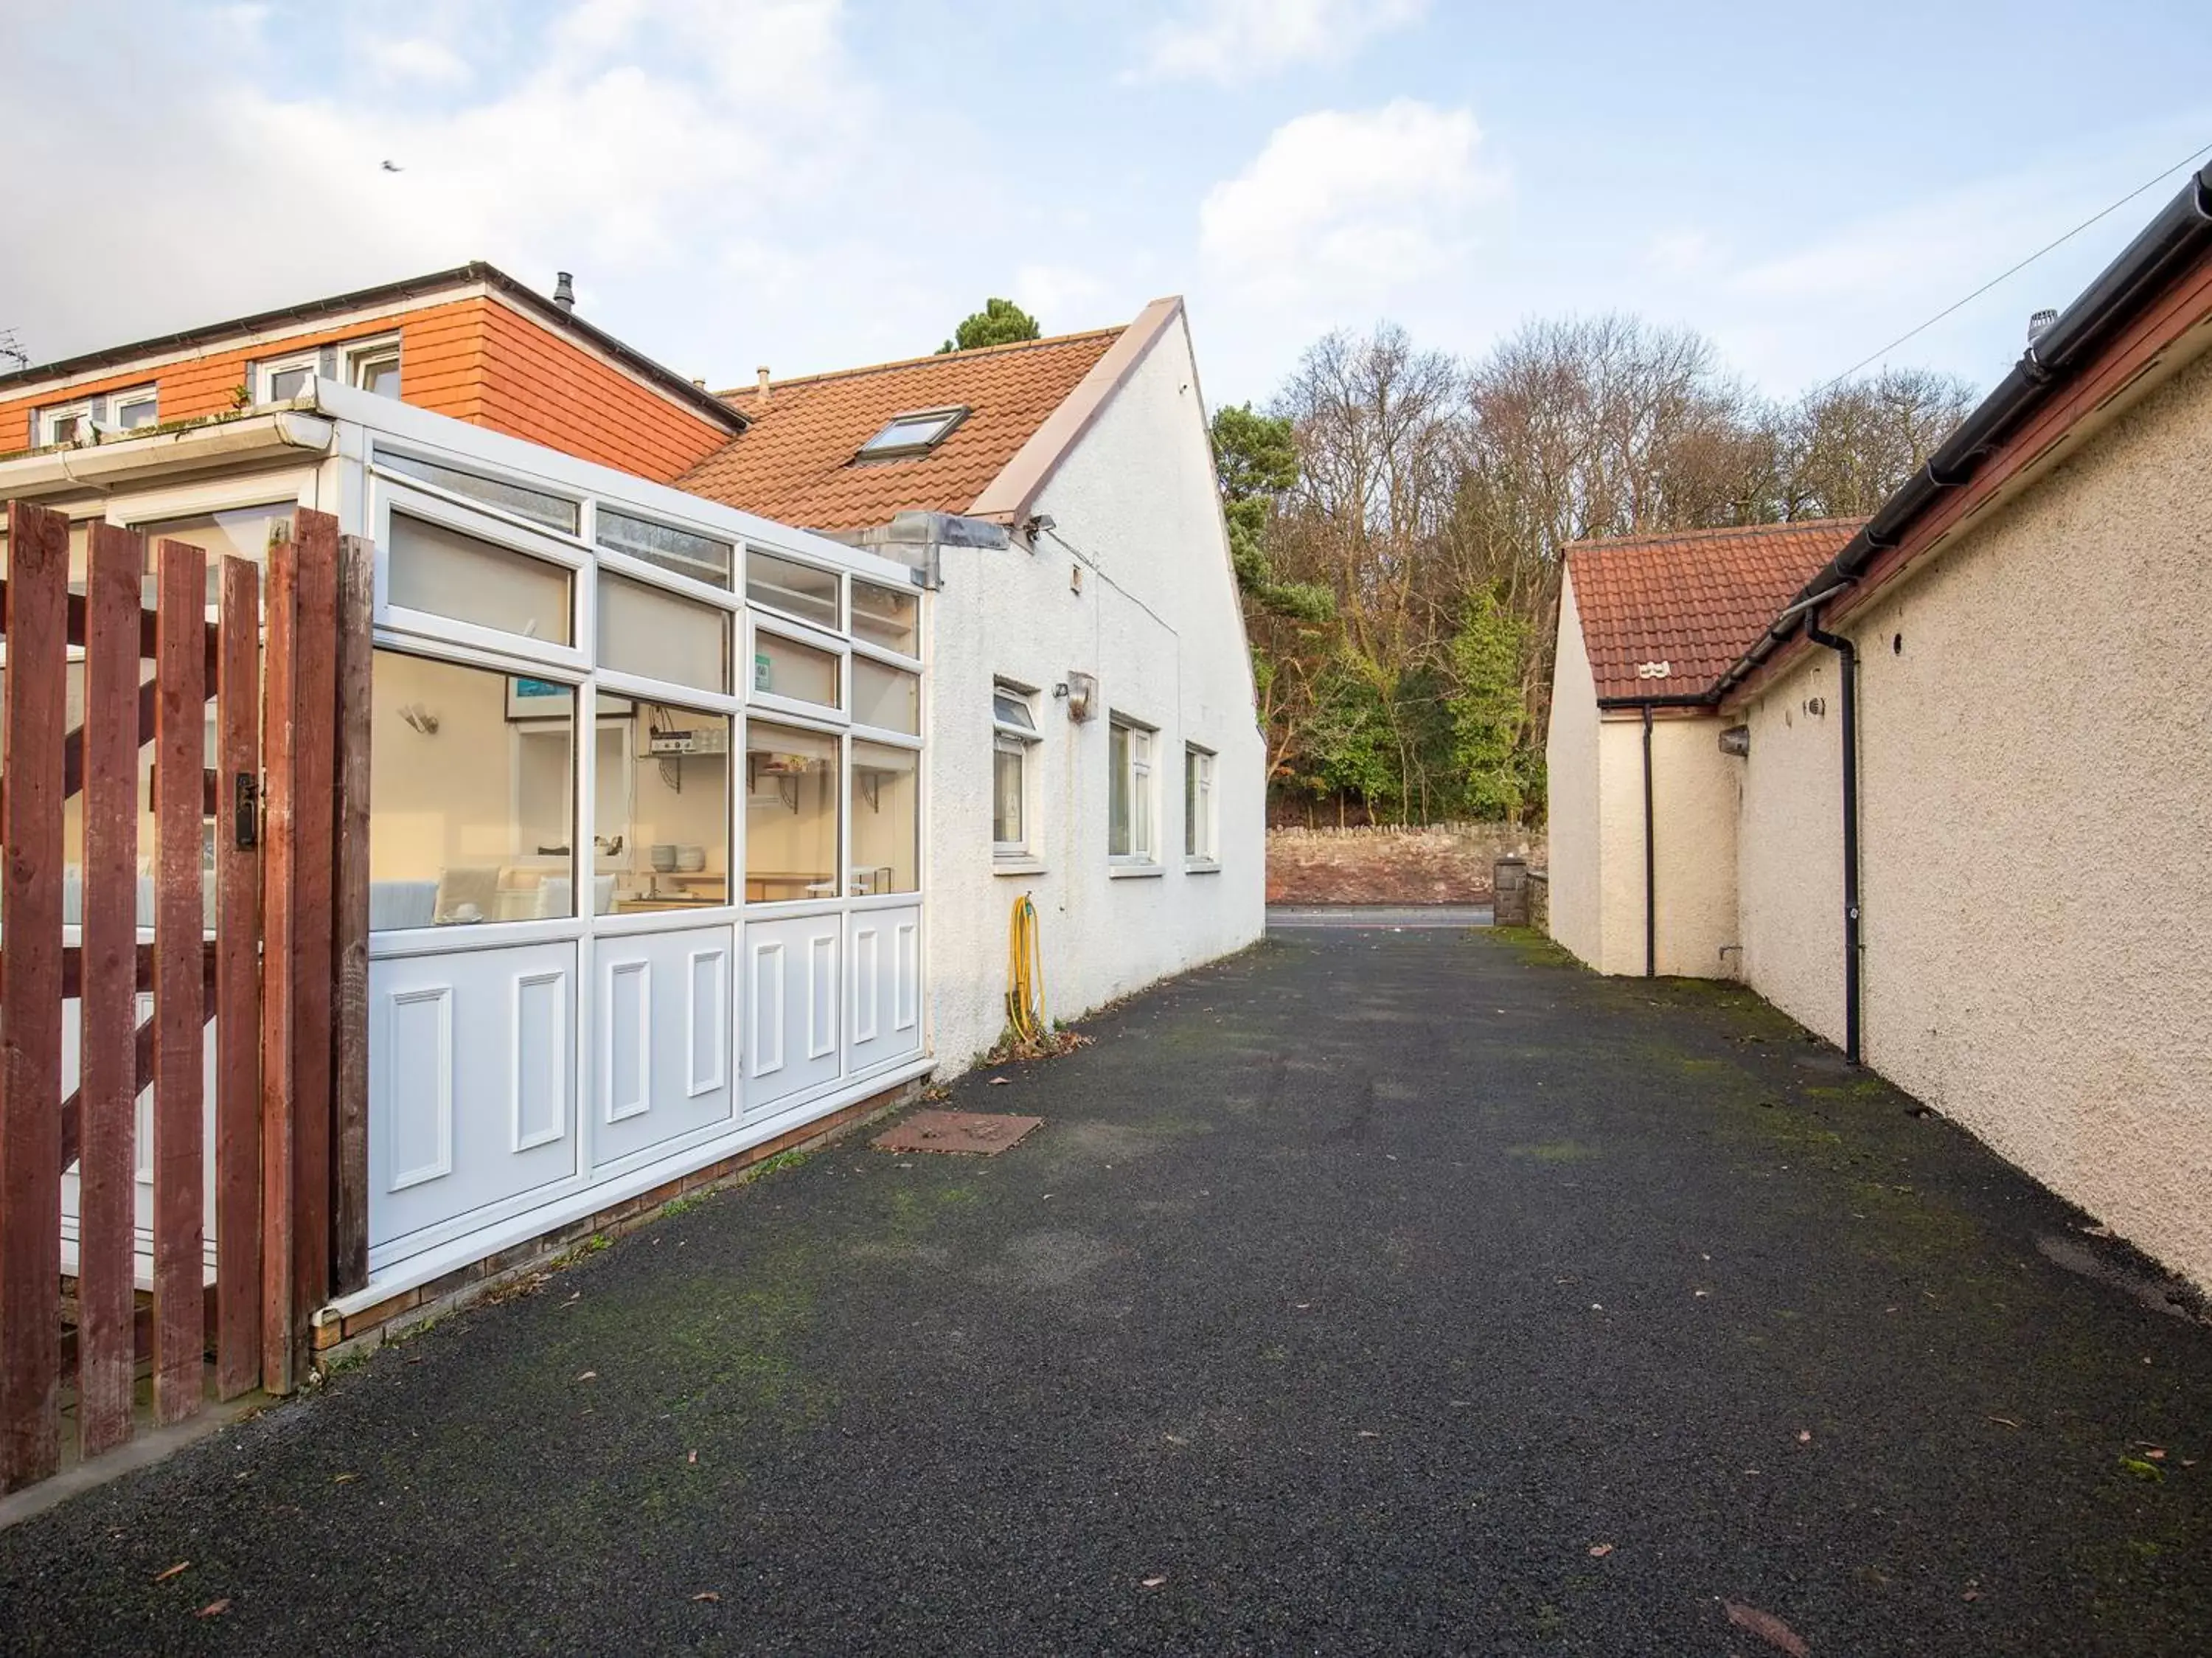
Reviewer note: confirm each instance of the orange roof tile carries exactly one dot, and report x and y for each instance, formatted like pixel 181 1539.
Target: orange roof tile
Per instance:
pixel 794 463
pixel 1695 600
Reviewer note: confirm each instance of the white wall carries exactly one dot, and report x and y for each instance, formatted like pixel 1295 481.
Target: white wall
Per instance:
pixel 1572 821
pixel 1157 621
pixel 1790 841
pixel 2036 788
pixel 1594 766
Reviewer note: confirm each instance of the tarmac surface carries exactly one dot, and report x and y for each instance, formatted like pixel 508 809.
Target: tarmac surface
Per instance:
pixel 1368 1292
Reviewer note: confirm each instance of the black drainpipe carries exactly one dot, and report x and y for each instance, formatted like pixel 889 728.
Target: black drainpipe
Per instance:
pixel 1650 864
pixel 1847 668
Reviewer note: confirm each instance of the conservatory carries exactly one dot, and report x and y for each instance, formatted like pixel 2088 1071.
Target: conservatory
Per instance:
pixel 646 811
pixel 646 817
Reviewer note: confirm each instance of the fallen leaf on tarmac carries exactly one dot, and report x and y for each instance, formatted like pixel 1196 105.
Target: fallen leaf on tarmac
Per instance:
pixel 1152 1583
pixel 694 1457
pixel 589 1376
pixel 1768 1628
pixel 163 1577
pixel 1804 1436
pixel 1369 1433
pixel 344 1479
pixel 1176 1439
pixel 214 1608
pixel 2004 1422
pixel 1599 1551
pixel 707 1595
pixel 1000 1081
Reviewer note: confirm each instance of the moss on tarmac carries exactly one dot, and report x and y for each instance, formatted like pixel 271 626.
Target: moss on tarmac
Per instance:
pixel 1373 1292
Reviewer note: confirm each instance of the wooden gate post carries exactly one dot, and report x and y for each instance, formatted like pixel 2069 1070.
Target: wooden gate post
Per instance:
pixel 300 747
pixel 32 708
pixel 280 1342
pixel 349 1015
pixel 238 982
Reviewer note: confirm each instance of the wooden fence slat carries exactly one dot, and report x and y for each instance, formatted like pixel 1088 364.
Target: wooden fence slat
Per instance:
pixel 282 1340
pixel 349 1015
pixel 32 708
pixel 107 1183
pixel 314 768
pixel 179 1015
pixel 238 992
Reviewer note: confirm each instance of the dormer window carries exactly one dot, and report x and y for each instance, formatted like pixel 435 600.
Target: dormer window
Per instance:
pixel 913 434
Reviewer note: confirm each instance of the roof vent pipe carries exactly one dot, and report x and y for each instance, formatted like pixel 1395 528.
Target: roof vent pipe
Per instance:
pixel 2041 320
pixel 564 291
pixel 763 392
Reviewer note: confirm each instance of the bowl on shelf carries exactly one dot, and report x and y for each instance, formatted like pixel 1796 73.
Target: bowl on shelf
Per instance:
pixel 690 860
pixel 664 857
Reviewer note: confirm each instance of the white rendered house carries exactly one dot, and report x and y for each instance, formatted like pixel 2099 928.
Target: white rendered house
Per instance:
pixel 773 878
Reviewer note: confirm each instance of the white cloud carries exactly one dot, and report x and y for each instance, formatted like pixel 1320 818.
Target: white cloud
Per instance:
pixel 626 139
pixel 1349 208
pixel 1232 40
pixel 417 58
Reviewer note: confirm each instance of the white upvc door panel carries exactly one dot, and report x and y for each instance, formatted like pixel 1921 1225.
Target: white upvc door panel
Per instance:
pixel 883 1018
pixel 661 1049
pixel 472 1096
pixel 793 1008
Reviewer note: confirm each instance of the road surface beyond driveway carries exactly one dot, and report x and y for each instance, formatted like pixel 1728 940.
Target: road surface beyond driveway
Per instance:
pixel 1406 1292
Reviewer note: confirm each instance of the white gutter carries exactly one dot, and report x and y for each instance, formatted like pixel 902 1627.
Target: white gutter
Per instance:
pixel 106 467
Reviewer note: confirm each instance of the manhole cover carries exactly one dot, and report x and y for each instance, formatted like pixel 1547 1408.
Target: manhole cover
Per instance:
pixel 982 1132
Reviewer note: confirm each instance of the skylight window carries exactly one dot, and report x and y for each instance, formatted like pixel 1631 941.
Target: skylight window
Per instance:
pixel 916 433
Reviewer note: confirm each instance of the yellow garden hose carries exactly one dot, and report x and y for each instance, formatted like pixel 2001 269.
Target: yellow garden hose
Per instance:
pixel 1025 974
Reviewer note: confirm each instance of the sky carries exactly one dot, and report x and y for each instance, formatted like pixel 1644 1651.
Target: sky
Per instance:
pixel 818 184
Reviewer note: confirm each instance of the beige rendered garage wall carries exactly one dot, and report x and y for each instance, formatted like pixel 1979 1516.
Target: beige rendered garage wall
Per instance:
pixel 2036 775
pixel 1694 792
pixel 1570 770
pixel 1595 767
pixel 1790 838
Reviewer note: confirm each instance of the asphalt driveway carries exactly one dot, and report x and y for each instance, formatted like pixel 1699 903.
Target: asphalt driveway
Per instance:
pixel 1372 1292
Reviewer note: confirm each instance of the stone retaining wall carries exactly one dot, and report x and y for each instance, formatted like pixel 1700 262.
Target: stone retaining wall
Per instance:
pixel 1439 863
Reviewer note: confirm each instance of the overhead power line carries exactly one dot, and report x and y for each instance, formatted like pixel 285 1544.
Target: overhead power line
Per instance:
pixel 2101 213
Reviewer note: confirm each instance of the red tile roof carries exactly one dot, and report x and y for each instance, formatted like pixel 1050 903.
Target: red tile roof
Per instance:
pixel 1695 600
pixel 795 464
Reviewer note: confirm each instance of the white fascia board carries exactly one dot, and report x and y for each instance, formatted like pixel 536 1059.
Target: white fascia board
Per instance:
pixel 103 466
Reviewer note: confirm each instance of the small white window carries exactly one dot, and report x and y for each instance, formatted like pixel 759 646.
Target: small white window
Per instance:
pixel 1013 734
pixel 1197 842
pixel 71 423
pixel 374 366
pixel 914 433
pixel 281 379
pixel 1131 806
pixel 138 407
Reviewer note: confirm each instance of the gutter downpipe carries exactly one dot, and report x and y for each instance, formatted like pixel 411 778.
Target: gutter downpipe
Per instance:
pixel 1650 863
pixel 1847 668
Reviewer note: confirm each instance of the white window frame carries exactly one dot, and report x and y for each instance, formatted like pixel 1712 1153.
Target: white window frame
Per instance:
pixel 86 409
pixel 506 535
pixel 1008 737
pixel 359 354
pixel 266 370
pixel 1143 856
pixel 1202 846
pixel 131 398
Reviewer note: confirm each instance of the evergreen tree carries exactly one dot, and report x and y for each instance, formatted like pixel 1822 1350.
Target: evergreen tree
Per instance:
pixel 1000 322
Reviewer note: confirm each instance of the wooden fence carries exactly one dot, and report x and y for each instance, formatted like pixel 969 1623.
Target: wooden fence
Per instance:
pixel 281 972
